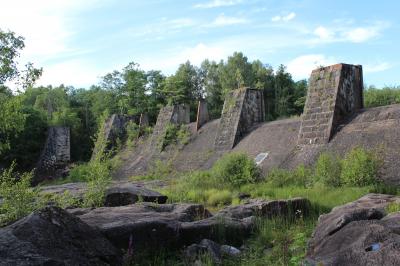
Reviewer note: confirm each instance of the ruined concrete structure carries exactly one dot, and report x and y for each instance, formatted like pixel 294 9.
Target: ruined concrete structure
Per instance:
pixel 175 114
pixel 243 109
pixel 202 114
pixel 115 128
pixel 56 153
pixel 334 93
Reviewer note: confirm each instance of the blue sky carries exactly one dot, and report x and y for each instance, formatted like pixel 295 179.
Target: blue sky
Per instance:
pixel 78 41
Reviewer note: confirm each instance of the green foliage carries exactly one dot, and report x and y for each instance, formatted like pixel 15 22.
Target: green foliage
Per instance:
pixel 175 134
pixel 218 197
pixel 132 132
pixel 18 197
pixel 328 170
pixel 360 168
pixel 301 176
pixel 379 97
pixel 393 207
pixel 235 169
pixel 158 171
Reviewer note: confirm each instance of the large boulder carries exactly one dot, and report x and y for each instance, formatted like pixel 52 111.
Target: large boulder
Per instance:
pixel 358 233
pixel 52 236
pixel 117 194
pixel 177 225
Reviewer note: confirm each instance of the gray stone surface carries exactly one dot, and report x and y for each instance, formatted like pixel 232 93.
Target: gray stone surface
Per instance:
pixel 56 154
pixel 177 225
pixel 118 193
pixel 358 233
pixel 202 114
pixel 334 93
pixel 243 109
pixel 52 236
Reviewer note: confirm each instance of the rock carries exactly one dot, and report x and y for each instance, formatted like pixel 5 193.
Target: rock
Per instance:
pixel 243 196
pixel 118 194
pixel 193 252
pixel 128 193
pixel 229 251
pixel 267 208
pixel 52 236
pixel 178 225
pixel 357 233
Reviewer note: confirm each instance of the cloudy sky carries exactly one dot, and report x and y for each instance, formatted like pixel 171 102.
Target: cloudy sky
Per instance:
pixel 78 41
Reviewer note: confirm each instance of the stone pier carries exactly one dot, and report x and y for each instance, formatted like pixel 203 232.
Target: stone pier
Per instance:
pixel 243 109
pixel 202 114
pixel 334 93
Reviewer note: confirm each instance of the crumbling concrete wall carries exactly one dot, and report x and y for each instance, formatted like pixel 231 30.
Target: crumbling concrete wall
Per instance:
pixel 176 114
pixel 114 129
pixel 243 109
pixel 202 114
pixel 334 93
pixel 56 153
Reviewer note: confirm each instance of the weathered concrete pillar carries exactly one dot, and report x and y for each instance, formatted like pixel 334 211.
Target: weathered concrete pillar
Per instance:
pixel 334 93
pixel 243 109
pixel 176 114
pixel 114 129
pixel 56 153
pixel 202 114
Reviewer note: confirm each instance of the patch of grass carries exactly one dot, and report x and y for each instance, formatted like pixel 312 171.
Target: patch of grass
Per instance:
pixel 218 197
pixel 158 171
pixel 393 207
pixel 328 169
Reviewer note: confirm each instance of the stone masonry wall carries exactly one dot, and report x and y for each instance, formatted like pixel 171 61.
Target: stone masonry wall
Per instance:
pixel 243 109
pixel 177 114
pixel 56 153
pixel 202 114
pixel 334 93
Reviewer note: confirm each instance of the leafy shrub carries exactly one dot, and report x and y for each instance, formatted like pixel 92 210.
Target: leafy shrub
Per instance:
pixel 18 197
pixel 360 167
pixel 159 170
pixel 328 170
pixel 236 169
pixel 176 134
pixel 301 176
pixel 132 132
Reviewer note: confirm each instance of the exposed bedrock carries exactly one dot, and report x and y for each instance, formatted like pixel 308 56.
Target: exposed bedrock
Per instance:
pixel 358 233
pixel 52 236
pixel 118 194
pixel 177 225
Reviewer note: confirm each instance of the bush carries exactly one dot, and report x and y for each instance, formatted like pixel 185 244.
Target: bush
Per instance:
pixel 235 169
pixel 301 176
pixel 176 134
pixel 132 132
pixel 393 207
pixel 18 197
pixel 360 168
pixel 328 170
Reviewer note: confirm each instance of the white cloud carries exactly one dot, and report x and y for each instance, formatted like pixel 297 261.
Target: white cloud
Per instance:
pixel 223 20
pixel 301 66
pixel 348 34
pixel 360 34
pixel 286 18
pixel 323 33
pixel 73 72
pixel 372 68
pixel 195 55
pixel 218 3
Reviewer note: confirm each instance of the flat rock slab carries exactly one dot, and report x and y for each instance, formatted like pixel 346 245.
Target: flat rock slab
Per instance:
pixel 177 225
pixel 118 194
pixel 52 236
pixel 357 233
